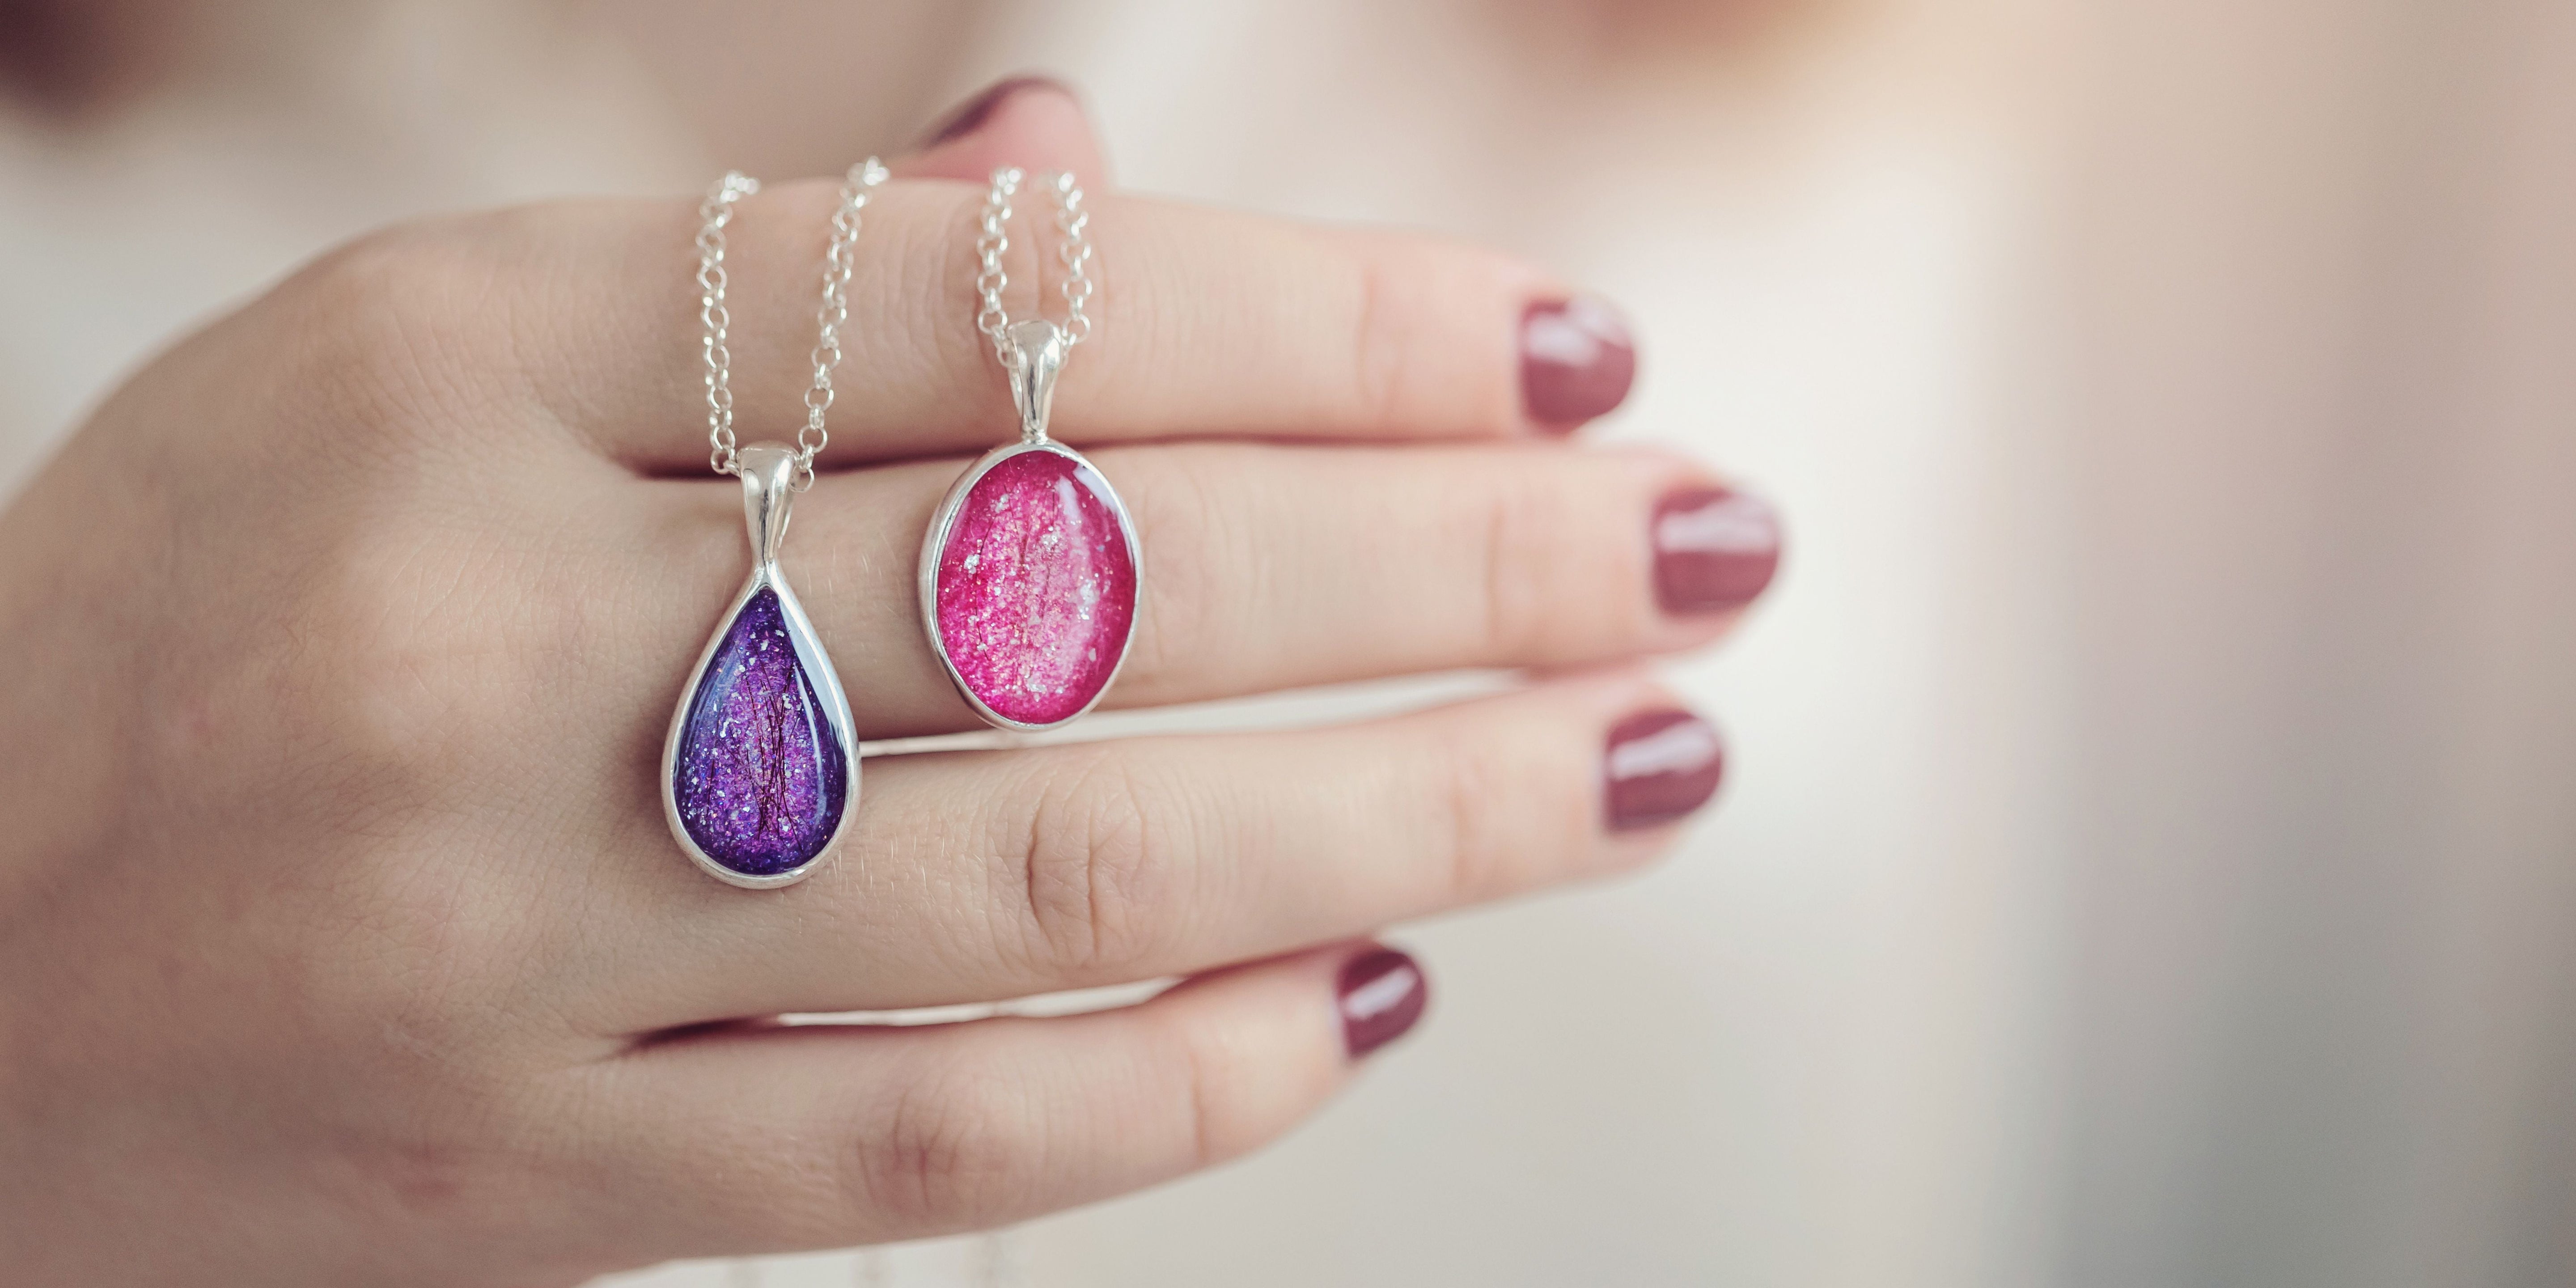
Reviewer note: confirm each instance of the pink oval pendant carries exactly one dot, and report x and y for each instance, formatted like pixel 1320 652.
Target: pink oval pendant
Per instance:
pixel 1028 585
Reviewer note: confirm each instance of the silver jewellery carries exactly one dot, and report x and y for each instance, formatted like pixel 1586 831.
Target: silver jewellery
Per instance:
pixel 760 773
pixel 1029 570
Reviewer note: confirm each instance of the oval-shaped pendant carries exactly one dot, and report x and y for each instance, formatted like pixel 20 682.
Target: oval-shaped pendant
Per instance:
pixel 760 773
pixel 1028 585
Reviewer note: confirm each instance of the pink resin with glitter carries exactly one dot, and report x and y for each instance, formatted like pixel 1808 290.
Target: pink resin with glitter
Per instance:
pixel 1036 588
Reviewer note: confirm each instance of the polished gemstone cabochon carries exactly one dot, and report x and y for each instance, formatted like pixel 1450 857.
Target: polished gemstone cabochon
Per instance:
pixel 760 776
pixel 1036 587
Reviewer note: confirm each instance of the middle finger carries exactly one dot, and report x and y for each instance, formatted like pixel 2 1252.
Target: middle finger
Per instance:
pixel 1268 567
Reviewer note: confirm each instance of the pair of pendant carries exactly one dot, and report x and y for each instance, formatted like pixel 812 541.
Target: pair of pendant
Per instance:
pixel 1028 586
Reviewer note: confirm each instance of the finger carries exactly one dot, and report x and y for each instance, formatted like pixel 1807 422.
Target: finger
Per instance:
pixel 818 1136
pixel 1265 567
pixel 1206 322
pixel 1034 122
pixel 976 876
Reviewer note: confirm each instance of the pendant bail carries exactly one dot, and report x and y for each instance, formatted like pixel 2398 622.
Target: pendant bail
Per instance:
pixel 768 472
pixel 1034 354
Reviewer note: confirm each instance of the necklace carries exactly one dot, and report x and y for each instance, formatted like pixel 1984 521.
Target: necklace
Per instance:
pixel 1029 571
pixel 760 773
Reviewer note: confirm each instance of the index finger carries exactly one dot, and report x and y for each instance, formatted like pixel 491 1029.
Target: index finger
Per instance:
pixel 1205 322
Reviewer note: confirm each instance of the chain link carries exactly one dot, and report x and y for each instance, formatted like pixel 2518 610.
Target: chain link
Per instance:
pixel 713 215
pixel 1073 251
pixel 835 310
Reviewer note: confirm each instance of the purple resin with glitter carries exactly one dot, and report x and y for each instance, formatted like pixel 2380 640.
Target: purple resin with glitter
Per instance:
pixel 1037 587
pixel 760 777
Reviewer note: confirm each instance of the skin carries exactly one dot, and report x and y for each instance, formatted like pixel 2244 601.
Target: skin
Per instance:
pixel 341 938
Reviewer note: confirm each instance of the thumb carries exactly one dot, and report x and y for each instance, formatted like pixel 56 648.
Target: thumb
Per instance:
pixel 1034 122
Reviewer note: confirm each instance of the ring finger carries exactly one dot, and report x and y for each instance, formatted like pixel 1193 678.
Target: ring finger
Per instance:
pixel 974 876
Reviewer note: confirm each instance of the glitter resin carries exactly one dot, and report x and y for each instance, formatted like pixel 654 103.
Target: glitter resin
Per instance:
pixel 1029 588
pixel 760 764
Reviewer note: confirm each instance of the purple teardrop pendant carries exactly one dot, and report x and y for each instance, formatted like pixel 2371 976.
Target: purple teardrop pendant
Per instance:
pixel 760 772
pixel 761 779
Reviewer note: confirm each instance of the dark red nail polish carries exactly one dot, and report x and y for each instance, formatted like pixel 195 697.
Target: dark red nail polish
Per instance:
pixel 1576 361
pixel 1660 766
pixel 966 116
pixel 1715 549
pixel 1382 993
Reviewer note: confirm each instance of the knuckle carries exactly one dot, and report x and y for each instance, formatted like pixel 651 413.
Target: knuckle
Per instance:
pixel 398 627
pixel 1468 804
pixel 397 285
pixel 1098 864
pixel 1223 1123
pixel 1512 529
pixel 473 1169
pixel 1411 363
pixel 395 263
pixel 1179 519
pixel 1507 821
pixel 389 327
pixel 950 1152
pixel 937 339
pixel 1382 343
pixel 412 959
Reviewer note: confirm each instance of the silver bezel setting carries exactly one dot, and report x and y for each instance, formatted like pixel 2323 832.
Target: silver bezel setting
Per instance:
pixel 935 543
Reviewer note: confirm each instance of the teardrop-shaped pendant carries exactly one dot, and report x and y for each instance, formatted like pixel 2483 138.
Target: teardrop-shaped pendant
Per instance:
pixel 1029 572
pixel 760 773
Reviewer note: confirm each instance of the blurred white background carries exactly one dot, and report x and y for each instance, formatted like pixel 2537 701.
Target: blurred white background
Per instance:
pixel 2145 855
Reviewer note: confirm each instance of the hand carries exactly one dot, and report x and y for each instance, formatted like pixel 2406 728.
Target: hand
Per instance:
pixel 341 938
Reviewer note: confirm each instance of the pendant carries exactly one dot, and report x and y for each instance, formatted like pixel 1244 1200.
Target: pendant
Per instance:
pixel 760 774
pixel 1029 571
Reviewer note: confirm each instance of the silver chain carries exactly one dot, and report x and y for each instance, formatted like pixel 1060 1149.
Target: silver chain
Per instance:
pixel 1073 251
pixel 835 310
pixel 713 214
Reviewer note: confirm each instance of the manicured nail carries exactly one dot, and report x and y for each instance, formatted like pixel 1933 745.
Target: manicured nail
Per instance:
pixel 1382 993
pixel 1715 549
pixel 1576 361
pixel 1661 765
pixel 975 111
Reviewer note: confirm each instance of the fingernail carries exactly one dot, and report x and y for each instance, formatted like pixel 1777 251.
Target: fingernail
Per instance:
pixel 1660 766
pixel 966 116
pixel 1576 361
pixel 1382 993
pixel 1715 549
